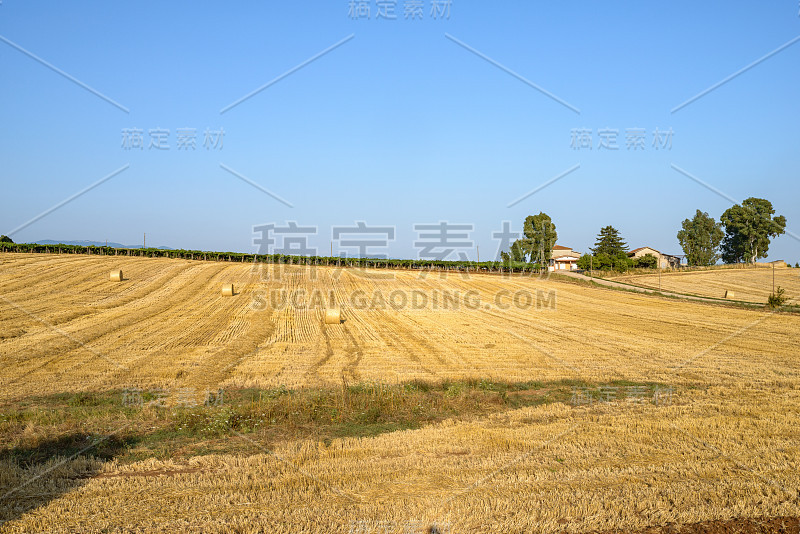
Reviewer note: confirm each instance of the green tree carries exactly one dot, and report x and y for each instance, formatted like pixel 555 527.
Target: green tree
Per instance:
pixel 777 299
pixel 5 239
pixel 749 226
pixel 621 262
pixel 700 238
pixel 585 262
pixel 648 261
pixel 609 242
pixel 541 232
pixel 603 262
pixel 537 244
pixel 520 250
pixel 517 252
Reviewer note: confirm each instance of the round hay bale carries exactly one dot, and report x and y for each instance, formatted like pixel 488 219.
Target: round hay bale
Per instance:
pixel 227 290
pixel 333 316
pixel 116 275
pixel 729 294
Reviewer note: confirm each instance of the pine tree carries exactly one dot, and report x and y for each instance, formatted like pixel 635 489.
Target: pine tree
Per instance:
pixel 609 242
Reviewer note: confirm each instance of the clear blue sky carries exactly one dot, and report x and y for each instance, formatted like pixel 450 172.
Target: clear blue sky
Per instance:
pixel 400 124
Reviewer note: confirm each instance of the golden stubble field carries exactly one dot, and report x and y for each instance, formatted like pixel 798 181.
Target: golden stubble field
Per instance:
pixel 751 284
pixel 723 445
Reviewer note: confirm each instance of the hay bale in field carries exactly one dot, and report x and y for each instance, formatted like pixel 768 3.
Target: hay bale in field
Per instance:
pixel 729 294
pixel 333 316
pixel 227 290
pixel 116 275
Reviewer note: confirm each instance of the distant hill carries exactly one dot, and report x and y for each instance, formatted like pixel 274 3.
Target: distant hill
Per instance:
pixel 94 244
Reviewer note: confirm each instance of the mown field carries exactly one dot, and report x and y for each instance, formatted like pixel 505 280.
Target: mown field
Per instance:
pixel 477 403
pixel 752 284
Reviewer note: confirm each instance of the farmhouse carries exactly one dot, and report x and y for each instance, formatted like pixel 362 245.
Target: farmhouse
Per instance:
pixel 563 259
pixel 665 261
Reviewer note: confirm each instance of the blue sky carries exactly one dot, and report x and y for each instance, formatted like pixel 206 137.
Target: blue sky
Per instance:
pixel 400 124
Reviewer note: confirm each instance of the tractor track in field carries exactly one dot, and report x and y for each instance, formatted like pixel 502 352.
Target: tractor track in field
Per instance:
pixel 313 370
pixel 355 352
pixel 528 326
pixel 408 351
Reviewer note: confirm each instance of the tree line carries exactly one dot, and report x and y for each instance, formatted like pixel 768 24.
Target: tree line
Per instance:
pixel 281 259
pixel 743 235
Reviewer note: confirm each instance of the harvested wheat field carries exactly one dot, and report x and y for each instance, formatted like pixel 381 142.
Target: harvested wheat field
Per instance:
pixel 753 284
pixel 442 402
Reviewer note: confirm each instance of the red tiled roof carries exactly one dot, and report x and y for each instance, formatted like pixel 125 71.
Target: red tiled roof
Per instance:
pixel 559 247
